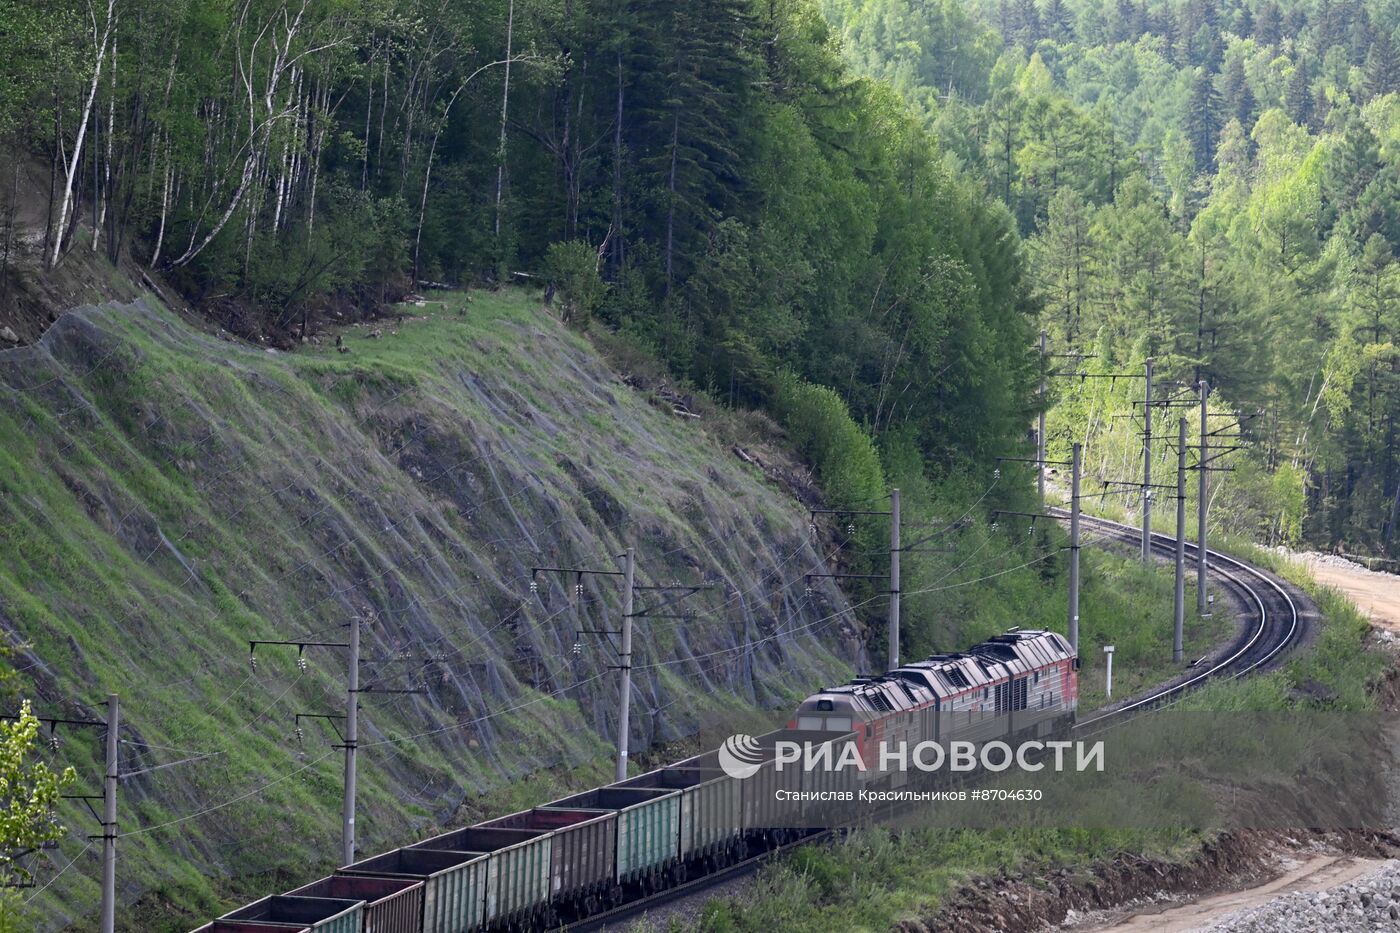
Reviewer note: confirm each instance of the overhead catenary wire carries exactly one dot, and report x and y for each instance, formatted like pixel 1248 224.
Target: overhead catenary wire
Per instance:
pixel 559 692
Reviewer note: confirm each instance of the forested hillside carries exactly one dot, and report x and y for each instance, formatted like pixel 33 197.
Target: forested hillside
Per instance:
pixel 707 177
pixel 1212 184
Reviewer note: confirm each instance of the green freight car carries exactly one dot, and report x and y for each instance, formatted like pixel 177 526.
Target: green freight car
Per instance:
pixel 518 862
pixel 711 825
pixel 648 829
pixel 454 885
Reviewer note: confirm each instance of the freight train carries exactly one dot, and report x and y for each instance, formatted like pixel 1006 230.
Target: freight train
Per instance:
pixel 574 857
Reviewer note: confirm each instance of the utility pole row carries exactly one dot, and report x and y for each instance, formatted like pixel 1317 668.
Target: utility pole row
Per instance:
pixel 1202 391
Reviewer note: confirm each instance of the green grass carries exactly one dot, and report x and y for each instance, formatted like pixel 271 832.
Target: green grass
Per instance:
pixel 185 494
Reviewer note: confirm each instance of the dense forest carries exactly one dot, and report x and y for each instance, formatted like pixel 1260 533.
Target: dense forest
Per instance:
pixel 707 179
pixel 1215 185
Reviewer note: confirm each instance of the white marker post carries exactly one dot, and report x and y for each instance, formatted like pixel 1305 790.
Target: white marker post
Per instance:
pixel 1108 681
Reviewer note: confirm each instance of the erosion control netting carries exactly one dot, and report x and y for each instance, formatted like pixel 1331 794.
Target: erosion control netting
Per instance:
pixel 167 495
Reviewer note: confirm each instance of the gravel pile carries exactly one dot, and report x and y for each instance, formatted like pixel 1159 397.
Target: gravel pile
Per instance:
pixel 1368 903
pixel 1329 560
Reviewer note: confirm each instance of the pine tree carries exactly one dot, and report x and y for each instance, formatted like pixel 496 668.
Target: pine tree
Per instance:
pixel 1297 94
pixel 1006 23
pixel 1203 120
pixel 1028 30
pixel 1321 109
pixel 1382 70
pixel 1351 166
pixel 1058 22
pixel 1268 25
pixel 1122 28
pixel 1235 92
pixel 1360 35
pixel 691 103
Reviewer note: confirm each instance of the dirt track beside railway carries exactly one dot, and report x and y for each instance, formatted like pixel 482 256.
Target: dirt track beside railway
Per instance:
pixel 1377 594
pixel 1083 899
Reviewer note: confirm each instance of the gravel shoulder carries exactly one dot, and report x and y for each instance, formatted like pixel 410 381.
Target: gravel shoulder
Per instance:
pixel 1303 882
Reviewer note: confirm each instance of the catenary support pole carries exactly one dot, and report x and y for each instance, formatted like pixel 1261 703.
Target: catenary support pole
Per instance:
pixel 1074 548
pixel 1179 605
pixel 1040 429
pixel 1147 467
pixel 624 723
pixel 109 818
pixel 352 745
pixel 894 580
pixel 1202 500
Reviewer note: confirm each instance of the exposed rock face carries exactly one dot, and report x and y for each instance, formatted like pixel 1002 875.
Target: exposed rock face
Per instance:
pixel 166 496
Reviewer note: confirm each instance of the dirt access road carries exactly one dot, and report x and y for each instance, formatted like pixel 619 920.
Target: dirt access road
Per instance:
pixel 1299 874
pixel 1378 594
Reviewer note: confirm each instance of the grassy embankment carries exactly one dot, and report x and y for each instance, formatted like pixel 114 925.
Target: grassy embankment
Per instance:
pixel 166 495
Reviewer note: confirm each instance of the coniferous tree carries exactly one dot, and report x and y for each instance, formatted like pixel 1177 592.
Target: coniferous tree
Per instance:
pixel 1027 28
pixel 1297 94
pixel 1058 22
pixel 1236 97
pixel 1268 25
pixel 1203 120
pixel 1382 71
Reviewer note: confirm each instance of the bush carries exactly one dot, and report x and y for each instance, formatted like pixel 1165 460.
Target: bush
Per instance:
pixel 821 426
pixel 571 268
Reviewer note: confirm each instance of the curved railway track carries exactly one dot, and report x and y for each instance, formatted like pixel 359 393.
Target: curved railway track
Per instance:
pixel 1280 617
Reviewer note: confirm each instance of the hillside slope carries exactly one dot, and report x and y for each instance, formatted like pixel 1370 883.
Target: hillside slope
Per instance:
pixel 166 495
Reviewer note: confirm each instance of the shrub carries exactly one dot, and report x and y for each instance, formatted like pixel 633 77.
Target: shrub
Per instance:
pixel 571 268
pixel 821 426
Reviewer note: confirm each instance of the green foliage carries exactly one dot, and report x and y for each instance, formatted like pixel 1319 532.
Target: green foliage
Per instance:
pixel 821 427
pixel 710 178
pixel 29 795
pixel 572 269
pixel 1216 187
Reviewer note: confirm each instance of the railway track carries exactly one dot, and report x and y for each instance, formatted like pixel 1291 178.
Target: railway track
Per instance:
pixel 1280 617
